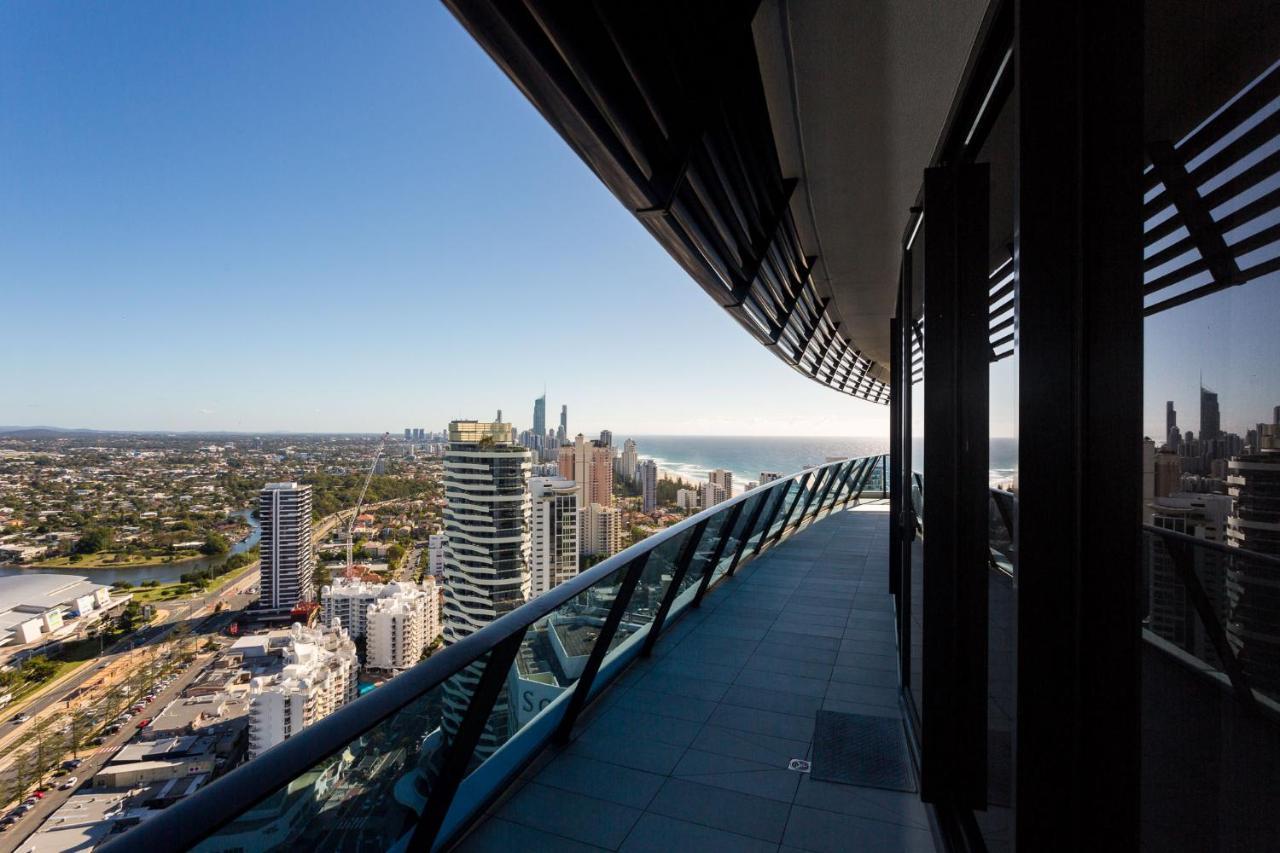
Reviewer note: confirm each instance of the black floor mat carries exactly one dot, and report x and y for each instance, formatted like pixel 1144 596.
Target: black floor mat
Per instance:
pixel 854 749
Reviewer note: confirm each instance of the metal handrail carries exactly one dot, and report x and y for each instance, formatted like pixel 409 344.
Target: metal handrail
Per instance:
pixel 194 818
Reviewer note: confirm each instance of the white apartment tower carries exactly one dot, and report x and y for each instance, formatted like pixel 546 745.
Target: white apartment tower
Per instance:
pixel 287 560
pixel 555 543
pixel 601 530
pixel 401 624
pixel 627 462
pixel 486 566
pixel 346 602
pixel 318 677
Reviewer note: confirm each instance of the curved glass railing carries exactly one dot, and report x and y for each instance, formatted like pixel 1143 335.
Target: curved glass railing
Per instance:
pixel 410 764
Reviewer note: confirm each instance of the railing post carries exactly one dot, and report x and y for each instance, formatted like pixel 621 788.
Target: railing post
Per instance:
pixel 583 689
pixel 710 567
pixel 826 490
pixel 747 530
pixel 458 757
pixel 773 515
pixel 858 466
pixel 1183 562
pixel 862 484
pixel 791 510
pixel 681 569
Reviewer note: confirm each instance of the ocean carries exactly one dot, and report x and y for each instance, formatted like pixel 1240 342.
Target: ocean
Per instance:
pixel 693 457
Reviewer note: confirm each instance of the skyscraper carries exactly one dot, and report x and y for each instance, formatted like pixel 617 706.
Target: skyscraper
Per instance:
pixel 1170 417
pixel 647 471
pixel 555 542
pixel 1210 420
pixel 486 567
pixel 606 437
pixel 1253 620
pixel 601 530
pixel 562 434
pixel 540 416
pixel 590 465
pixel 627 464
pixel 287 562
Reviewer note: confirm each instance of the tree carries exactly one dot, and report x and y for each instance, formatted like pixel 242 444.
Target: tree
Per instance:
pixel 215 543
pixel 95 539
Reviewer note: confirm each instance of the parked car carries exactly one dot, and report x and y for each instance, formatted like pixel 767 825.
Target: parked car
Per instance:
pixel 98 741
pixel 68 784
pixel 21 718
pixel 144 723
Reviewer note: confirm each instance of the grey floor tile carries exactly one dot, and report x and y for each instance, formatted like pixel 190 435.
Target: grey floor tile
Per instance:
pixel 870 803
pixel 808 654
pixel 803 669
pixel 698 669
pixel 721 808
pixel 862 675
pixel 650 756
pixel 827 832
pixel 738 774
pixel 668 704
pixel 798 704
pixel 611 782
pixel 860 708
pixel 625 721
pixel 790 638
pixel 560 812
pixel 869 661
pixel 765 722
pixel 781 681
pixel 660 834
pixel 863 694
pixel 683 685
pixel 496 835
pixel 751 746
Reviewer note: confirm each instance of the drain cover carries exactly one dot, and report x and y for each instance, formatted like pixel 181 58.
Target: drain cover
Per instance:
pixel 799 765
pixel 855 749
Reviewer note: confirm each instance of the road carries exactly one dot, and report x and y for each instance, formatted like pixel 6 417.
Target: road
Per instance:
pixel 95 759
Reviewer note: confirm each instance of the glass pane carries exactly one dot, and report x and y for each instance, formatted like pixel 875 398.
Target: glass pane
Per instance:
pixel 388 772
pixel 658 571
pixel 693 577
pixel 794 493
pixel 735 536
pixel 773 497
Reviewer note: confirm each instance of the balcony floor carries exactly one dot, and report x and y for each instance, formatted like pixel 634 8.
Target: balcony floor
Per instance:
pixel 689 749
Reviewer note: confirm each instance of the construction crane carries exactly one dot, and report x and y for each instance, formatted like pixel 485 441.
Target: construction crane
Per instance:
pixel 355 513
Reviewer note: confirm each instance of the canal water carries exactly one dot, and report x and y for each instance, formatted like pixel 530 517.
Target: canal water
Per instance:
pixel 166 572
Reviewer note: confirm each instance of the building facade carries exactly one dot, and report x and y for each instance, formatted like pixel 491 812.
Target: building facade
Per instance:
pixel 402 623
pixel 287 556
pixel 601 530
pixel 318 676
pixel 628 461
pixel 647 473
pixel 1253 600
pixel 724 479
pixel 554 532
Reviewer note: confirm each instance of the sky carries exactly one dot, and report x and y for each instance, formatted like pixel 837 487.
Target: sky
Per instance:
pixel 334 217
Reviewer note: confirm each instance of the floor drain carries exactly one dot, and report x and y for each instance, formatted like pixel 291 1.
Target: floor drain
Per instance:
pixel 799 765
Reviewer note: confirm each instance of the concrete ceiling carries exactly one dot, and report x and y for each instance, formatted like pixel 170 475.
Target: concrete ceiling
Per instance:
pixel 858 95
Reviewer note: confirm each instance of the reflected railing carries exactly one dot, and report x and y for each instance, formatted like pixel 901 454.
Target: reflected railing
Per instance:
pixel 410 764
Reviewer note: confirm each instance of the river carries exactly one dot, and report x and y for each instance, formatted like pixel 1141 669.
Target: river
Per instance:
pixel 165 572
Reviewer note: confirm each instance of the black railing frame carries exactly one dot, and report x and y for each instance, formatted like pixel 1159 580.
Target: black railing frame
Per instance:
pixel 680 569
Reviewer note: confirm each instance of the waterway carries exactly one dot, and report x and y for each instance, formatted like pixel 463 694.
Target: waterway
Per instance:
pixel 164 572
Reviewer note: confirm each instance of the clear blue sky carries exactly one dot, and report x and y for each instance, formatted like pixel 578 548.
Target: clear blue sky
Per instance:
pixel 333 216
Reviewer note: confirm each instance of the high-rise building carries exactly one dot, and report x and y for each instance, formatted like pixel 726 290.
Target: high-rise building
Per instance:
pixel 647 472
pixel 712 494
pixel 1170 613
pixel 486 569
pixel 590 465
pixel 1210 418
pixel 1170 417
pixel 346 602
pixel 555 540
pixel 435 555
pixel 1253 618
pixel 562 433
pixel 606 437
pixel 628 461
pixel 403 621
pixel 317 677
pixel 408 433
pixel 769 476
pixel 1168 472
pixel 723 479
pixel 287 559
pixel 601 530
pixel 687 499
pixel 540 416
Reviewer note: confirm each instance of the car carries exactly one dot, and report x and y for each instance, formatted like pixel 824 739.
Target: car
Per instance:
pixel 68 784
pixel 7 823
pixel 29 802
pixel 21 718
pixel 98 741
pixel 73 763
pixel 38 793
pixel 61 771
pixel 21 810
pixel 144 723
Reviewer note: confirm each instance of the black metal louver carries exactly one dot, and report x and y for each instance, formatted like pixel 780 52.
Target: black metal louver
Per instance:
pixel 673 119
